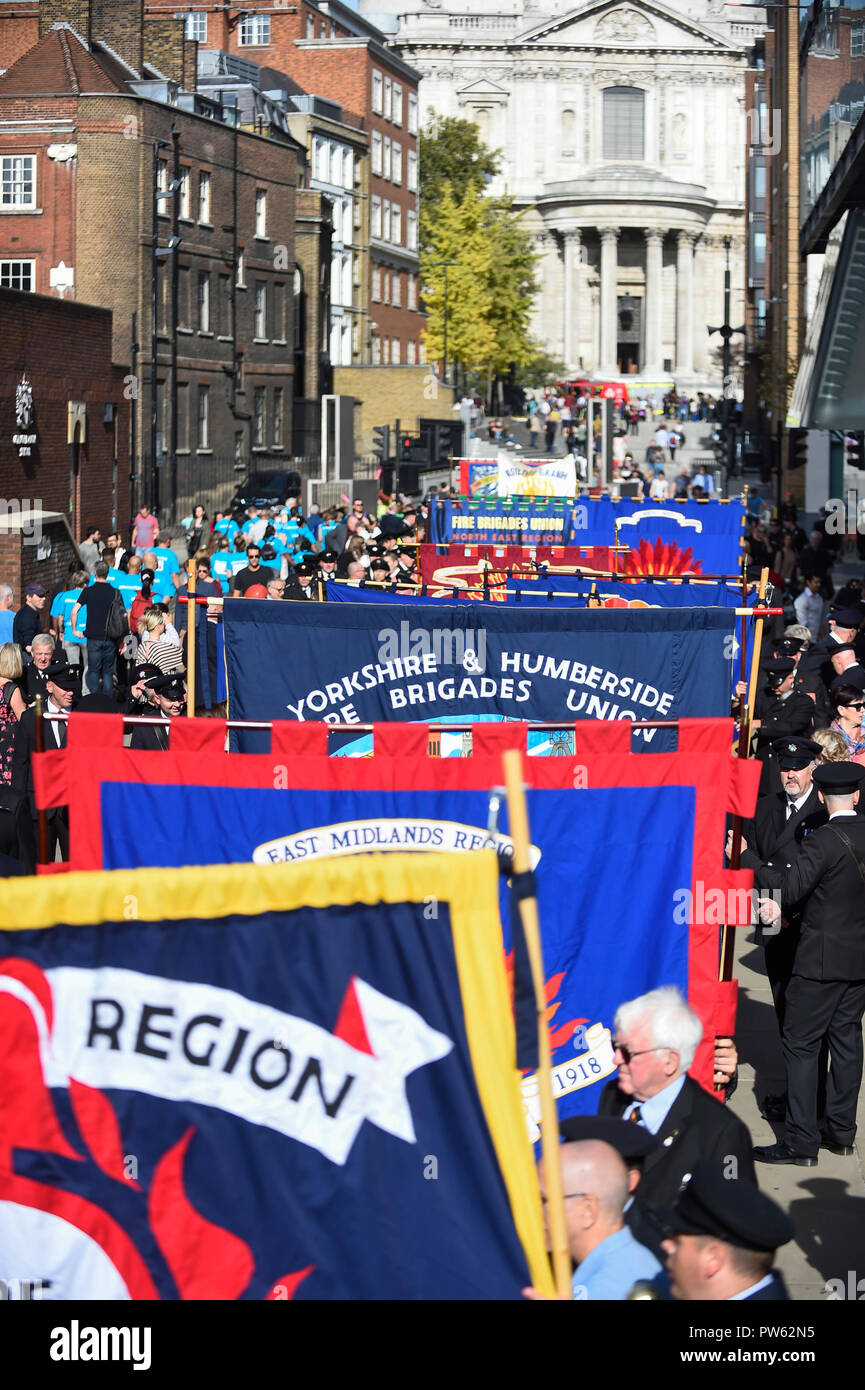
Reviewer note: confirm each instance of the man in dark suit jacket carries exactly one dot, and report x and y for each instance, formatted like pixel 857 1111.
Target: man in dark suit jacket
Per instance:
pixel 723 1238
pixel 656 1039
pixel 781 823
pixel 170 693
pixel 826 994
pixel 780 826
pixel 63 687
pixel 780 712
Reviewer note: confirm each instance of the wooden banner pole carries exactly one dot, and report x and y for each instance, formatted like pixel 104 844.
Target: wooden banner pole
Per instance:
pixel 518 822
pixel 191 625
pixel 746 707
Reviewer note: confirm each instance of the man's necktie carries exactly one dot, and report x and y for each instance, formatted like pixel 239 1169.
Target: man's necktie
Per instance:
pixel 635 1116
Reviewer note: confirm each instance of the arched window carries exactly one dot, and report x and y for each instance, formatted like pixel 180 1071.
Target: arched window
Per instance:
pixel 624 123
pixel 569 125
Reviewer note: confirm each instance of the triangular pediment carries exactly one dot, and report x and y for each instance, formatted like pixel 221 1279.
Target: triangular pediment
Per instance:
pixel 622 24
pixel 484 88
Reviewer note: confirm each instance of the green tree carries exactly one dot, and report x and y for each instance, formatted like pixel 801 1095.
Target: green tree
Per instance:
pixel 512 284
pixel 460 235
pixel 451 152
pixel 492 280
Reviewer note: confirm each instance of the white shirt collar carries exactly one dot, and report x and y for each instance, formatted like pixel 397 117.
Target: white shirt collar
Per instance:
pixel 755 1288
pixel 800 800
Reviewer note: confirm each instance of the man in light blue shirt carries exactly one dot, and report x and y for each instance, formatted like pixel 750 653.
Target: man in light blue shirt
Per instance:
pixel 7 615
pixel 608 1259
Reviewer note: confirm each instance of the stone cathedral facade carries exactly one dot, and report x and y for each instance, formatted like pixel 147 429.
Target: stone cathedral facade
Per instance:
pixel 622 130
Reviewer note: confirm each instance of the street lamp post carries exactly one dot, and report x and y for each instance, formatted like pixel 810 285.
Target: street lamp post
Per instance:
pixel 726 332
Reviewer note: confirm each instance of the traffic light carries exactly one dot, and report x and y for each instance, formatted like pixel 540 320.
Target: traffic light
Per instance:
pixel 413 449
pixel 381 443
pixel 797 449
pixel 855 447
pixel 441 443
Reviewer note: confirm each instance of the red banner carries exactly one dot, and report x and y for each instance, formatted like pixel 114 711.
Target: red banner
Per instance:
pixel 444 568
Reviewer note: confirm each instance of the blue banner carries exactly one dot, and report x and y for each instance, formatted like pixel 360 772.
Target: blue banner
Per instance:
pixel 563 591
pixel 264 1102
pixel 580 913
pixel 359 663
pixel 663 537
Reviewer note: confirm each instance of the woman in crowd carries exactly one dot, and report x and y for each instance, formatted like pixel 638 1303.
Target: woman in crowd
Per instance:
pixel 12 705
pixel 154 647
pixel 143 599
pixel 847 701
pixel 833 744
pixel 197 530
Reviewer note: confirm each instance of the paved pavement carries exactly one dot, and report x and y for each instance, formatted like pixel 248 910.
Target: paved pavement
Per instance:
pixel 698 443
pixel 826 1203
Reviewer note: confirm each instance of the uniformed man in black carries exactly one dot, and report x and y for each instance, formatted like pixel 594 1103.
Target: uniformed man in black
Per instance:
pixel 170 692
pixel 141 700
pixel 825 997
pixel 844 662
pixel 723 1234
pixel 302 582
pixel 63 687
pixel 780 712
pixel 327 563
pixel 843 627
pixel 780 824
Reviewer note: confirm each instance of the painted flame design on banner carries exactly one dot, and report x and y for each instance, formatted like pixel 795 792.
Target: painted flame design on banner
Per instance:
pixel 205 1260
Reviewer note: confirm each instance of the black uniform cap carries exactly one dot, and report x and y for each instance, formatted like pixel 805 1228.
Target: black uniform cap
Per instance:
pixel 795 752
pixel 837 647
pixel 171 685
pixel 305 569
pixel 846 617
pixel 788 646
pixel 62 674
pixel 328 557
pixel 732 1209
pixel 633 1142
pixel 142 671
pixel 779 668
pixel 839 779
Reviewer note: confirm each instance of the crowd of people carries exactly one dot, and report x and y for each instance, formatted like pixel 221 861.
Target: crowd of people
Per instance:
pixel 113 635
pixel 561 416
pixel 648 1198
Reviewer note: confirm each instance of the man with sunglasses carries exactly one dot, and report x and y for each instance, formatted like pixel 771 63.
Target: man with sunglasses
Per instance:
pixel 254 572
pixel 608 1259
pixel 655 1041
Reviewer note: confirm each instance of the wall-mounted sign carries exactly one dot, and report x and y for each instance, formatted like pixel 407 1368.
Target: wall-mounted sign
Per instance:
pixel 24 417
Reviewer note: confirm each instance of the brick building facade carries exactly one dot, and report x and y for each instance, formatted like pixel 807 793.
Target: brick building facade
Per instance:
pixel 333 52
pixel 79 393
pixel 83 127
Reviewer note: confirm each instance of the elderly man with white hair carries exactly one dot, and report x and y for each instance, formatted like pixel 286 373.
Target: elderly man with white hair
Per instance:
pixel 655 1041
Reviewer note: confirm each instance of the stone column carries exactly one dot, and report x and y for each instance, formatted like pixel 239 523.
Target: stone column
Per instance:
pixel 654 304
pixel 545 303
pixel 609 300
pixel 571 298
pixel 685 304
